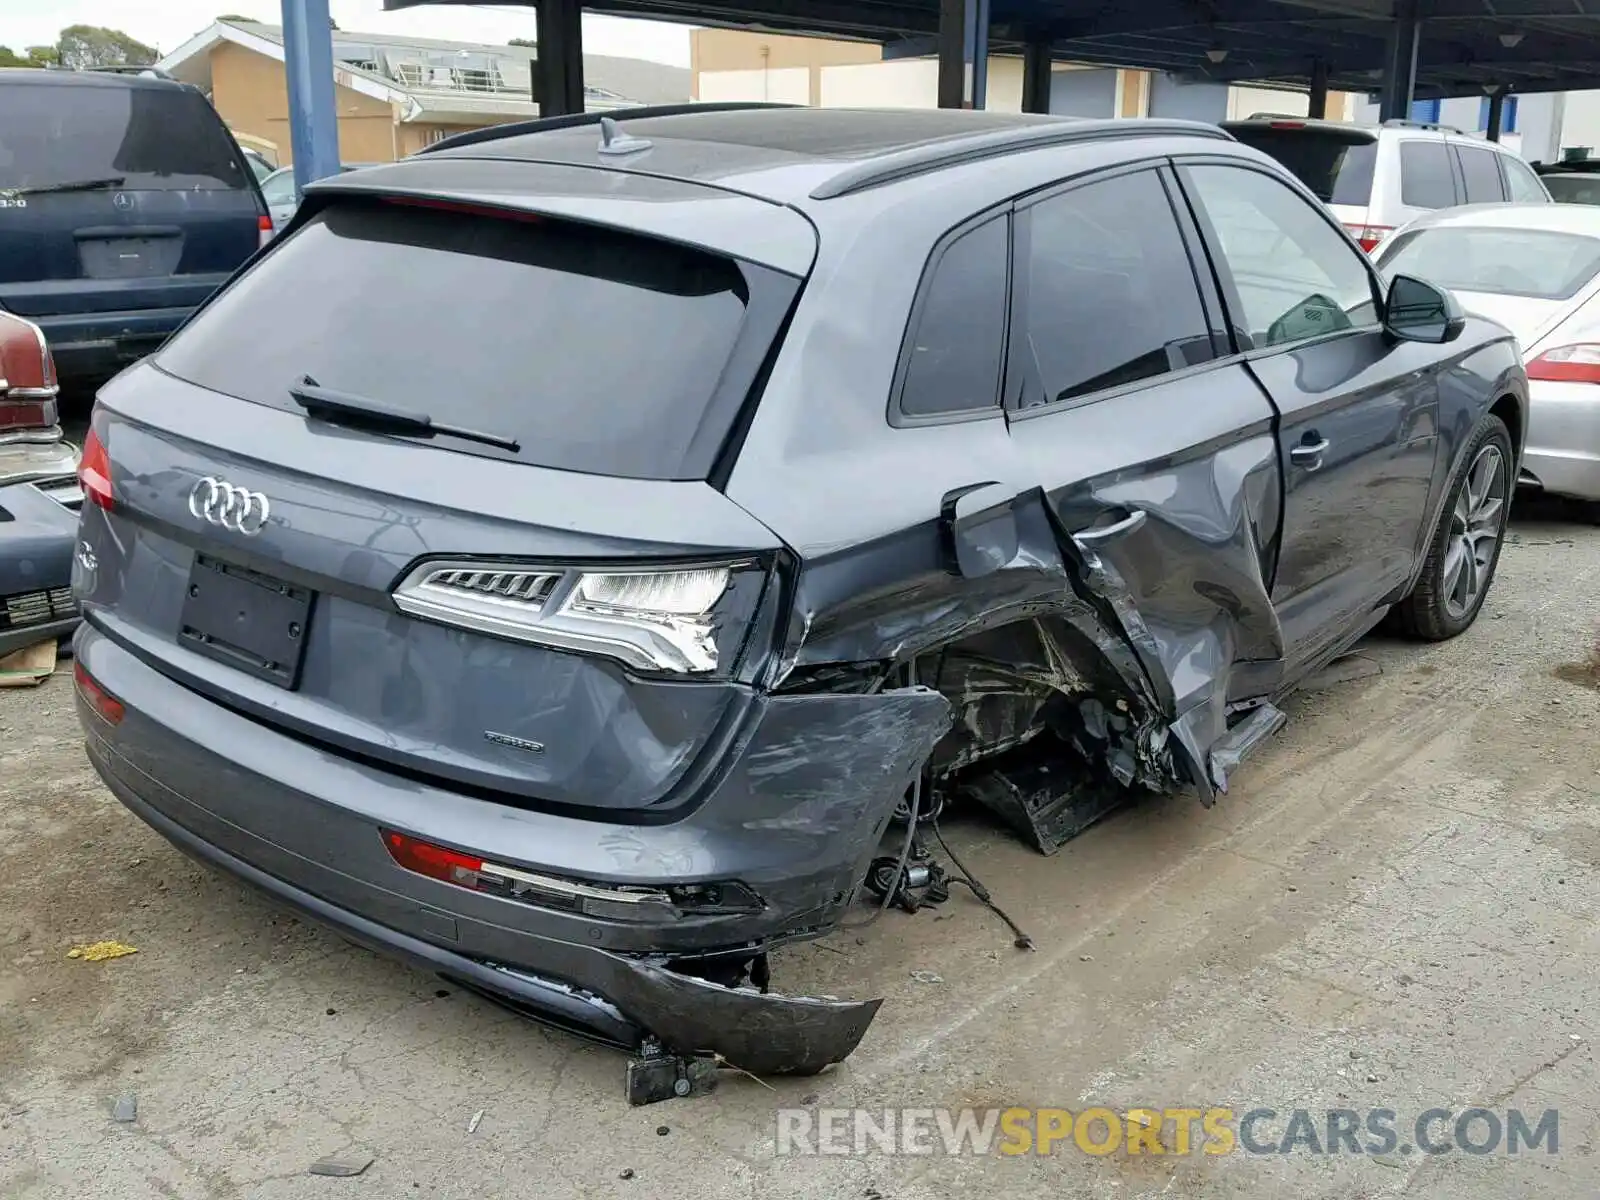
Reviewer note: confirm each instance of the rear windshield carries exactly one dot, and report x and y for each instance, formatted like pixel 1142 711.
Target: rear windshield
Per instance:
pixel 1336 169
pixel 138 138
pixel 1573 189
pixel 598 351
pixel 1511 262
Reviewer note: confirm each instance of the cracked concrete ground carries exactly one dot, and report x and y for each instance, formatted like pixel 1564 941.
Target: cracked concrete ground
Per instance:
pixel 1395 907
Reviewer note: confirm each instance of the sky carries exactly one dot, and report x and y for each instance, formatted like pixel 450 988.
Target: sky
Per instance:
pixel 166 24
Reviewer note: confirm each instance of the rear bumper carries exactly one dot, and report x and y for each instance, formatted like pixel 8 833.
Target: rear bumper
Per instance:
pixel 1563 454
pixel 36 548
pixel 303 824
pixel 98 345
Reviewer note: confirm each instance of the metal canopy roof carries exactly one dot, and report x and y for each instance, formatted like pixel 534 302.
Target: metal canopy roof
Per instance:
pixel 1466 45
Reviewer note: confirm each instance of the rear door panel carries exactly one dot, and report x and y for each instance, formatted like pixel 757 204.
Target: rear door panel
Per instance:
pixel 1164 485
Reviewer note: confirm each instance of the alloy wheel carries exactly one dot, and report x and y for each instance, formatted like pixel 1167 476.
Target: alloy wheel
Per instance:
pixel 1476 523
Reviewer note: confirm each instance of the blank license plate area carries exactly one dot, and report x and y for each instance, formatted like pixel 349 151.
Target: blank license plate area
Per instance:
pixel 129 257
pixel 248 620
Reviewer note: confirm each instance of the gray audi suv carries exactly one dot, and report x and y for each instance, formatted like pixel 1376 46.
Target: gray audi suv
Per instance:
pixel 577 558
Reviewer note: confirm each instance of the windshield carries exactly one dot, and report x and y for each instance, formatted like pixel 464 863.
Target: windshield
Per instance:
pixel 1336 169
pixel 1573 189
pixel 1539 264
pixel 138 137
pixel 598 351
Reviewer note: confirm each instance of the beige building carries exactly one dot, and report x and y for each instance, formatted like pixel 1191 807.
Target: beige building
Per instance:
pixel 395 95
pixel 733 65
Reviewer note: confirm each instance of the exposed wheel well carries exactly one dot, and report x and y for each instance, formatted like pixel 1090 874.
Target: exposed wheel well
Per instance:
pixel 1510 412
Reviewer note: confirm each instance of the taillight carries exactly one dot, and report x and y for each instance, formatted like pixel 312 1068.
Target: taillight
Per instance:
pixel 94 471
pixel 1568 364
pixel 668 619
pixel 264 225
pixel 1368 237
pixel 436 862
pixel 1286 124
pixel 102 701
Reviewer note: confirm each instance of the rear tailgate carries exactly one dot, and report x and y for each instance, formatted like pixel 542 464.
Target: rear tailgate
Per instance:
pixel 619 364
pixel 1336 162
pixel 117 197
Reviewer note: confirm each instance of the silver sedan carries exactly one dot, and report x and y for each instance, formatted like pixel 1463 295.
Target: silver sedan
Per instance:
pixel 1534 268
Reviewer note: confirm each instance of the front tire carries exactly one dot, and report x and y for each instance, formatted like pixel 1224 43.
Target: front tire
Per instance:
pixel 1465 547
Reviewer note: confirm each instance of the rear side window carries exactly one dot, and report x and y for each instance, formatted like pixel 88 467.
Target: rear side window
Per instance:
pixel 138 138
pixel 1482 175
pixel 1574 189
pixel 1336 169
pixel 1111 297
pixel 1523 183
pixel 1425 177
pixel 598 351
pixel 955 353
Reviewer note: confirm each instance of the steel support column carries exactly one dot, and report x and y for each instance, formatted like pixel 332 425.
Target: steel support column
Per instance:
pixel 558 73
pixel 1497 108
pixel 1036 76
pixel 308 77
pixel 1319 90
pixel 1400 62
pixel 978 50
pixel 953 53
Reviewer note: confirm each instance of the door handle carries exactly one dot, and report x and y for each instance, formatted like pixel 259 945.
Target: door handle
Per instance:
pixel 1309 455
pixel 1088 539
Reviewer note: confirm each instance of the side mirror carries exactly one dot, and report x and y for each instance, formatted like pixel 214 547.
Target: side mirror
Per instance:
pixel 1417 311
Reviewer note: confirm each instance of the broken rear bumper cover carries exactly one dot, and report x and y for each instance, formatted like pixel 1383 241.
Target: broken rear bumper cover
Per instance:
pixel 794 817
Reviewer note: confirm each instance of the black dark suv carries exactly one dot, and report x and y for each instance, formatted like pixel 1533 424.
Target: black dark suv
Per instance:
pixel 630 531
pixel 124 202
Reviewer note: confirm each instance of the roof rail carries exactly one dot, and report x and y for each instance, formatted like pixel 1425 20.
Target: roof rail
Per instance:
pixel 150 72
pixel 545 124
pixel 950 152
pixel 1402 123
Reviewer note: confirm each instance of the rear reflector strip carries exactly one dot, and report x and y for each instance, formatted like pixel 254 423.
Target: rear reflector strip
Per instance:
pixel 102 701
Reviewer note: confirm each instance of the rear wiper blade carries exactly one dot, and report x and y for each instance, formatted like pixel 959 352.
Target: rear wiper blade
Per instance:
pixel 333 405
pixel 76 185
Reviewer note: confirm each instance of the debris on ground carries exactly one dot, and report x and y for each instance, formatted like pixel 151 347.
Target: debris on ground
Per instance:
pixel 477 1118
pixel 30 666
pixel 927 977
pixel 126 1109
pixel 625 1173
pixel 100 951
pixel 342 1166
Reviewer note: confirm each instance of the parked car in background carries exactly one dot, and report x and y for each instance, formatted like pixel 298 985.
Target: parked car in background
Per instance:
pixel 33 448
pixel 1572 182
pixel 124 203
pixel 828 465
pixel 259 166
pixel 279 192
pixel 1377 178
pixel 1535 269
pixel 39 495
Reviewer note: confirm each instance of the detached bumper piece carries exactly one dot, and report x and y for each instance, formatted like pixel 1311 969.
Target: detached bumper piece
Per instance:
pixel 37 536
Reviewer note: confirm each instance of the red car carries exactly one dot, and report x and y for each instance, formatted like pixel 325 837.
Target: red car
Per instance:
pixel 32 447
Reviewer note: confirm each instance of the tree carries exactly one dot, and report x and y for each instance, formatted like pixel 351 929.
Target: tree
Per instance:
pixel 523 42
pixel 36 56
pixel 236 18
pixel 85 46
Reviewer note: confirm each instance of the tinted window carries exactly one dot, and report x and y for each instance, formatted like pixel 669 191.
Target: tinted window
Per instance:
pixel 1482 176
pixel 956 349
pixel 1111 295
pixel 599 351
pixel 1574 189
pixel 1295 276
pixel 1425 178
pixel 1336 169
pixel 145 138
pixel 1514 262
pixel 1524 184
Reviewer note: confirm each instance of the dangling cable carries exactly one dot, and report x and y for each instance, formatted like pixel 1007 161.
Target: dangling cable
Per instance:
pixel 966 878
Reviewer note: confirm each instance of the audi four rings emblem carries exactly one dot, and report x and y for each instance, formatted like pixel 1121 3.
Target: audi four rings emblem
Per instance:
pixel 222 503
